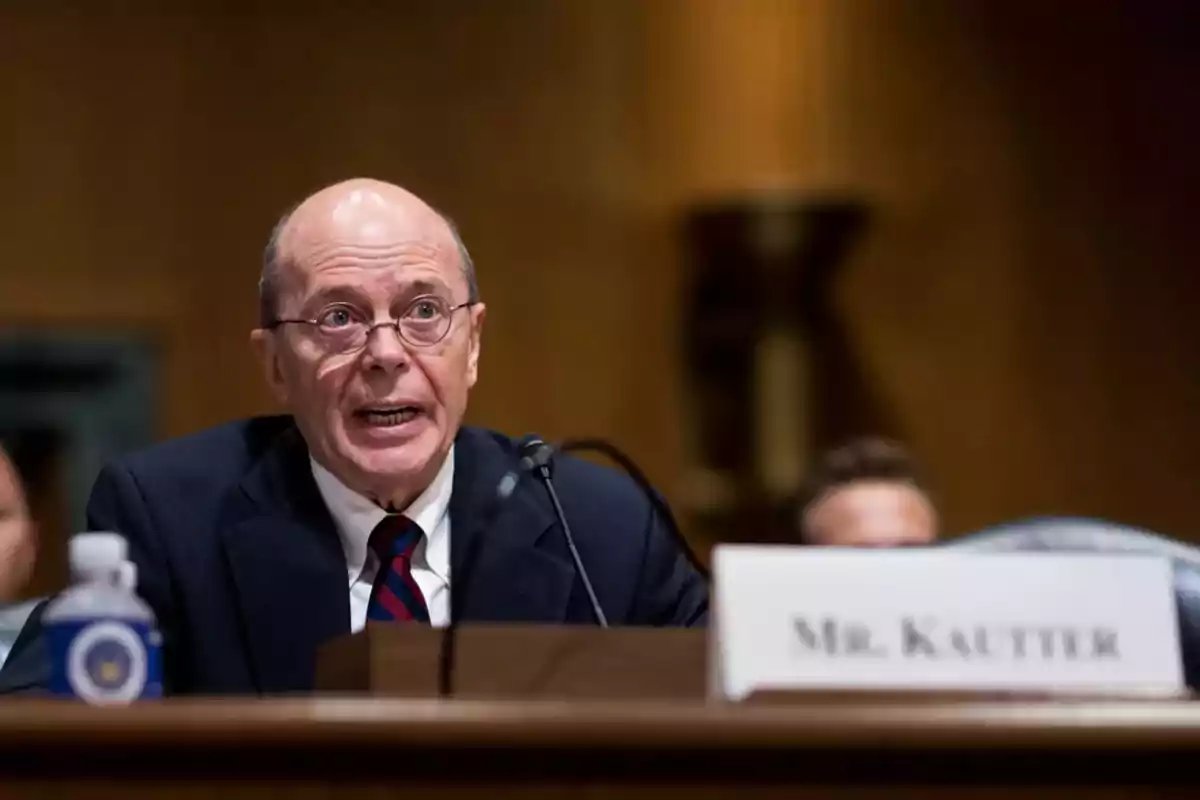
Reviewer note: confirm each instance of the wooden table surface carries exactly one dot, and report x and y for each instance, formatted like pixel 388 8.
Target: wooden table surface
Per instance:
pixel 844 746
pixel 841 723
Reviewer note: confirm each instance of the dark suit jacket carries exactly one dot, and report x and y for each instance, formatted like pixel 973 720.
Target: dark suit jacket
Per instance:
pixel 242 563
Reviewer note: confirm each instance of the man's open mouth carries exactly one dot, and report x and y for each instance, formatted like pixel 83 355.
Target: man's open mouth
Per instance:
pixel 387 416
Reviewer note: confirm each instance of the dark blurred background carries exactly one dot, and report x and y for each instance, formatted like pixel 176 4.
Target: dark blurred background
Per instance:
pixel 1018 303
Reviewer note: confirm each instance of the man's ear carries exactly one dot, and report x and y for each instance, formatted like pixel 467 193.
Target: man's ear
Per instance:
pixel 267 349
pixel 478 313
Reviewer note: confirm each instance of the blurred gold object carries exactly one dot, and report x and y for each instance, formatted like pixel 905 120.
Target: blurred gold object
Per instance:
pixel 110 672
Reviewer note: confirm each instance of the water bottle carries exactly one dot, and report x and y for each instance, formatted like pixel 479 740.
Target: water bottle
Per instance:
pixel 105 648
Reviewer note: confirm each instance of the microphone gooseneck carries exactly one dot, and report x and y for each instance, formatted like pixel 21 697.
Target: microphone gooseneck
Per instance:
pixel 536 456
pixel 637 476
pixel 540 454
pixel 505 489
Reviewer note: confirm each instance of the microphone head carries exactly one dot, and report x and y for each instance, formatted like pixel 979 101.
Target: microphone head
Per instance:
pixel 535 454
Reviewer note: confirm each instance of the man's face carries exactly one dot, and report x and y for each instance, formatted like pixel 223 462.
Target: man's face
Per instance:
pixel 16 534
pixel 872 514
pixel 382 417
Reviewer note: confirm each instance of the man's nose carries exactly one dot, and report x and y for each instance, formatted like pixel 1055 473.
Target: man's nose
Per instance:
pixel 385 349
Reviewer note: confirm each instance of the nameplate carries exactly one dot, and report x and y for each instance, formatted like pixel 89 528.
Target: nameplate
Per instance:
pixel 816 618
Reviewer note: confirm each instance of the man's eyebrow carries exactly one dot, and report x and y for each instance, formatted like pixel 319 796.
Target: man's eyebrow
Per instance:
pixel 425 287
pixel 352 294
pixel 333 293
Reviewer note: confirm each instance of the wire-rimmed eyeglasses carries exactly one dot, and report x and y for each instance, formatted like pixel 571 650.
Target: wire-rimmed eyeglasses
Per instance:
pixel 342 328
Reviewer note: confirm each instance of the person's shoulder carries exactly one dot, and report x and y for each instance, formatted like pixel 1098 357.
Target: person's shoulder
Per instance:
pixel 227 448
pixel 487 443
pixel 606 486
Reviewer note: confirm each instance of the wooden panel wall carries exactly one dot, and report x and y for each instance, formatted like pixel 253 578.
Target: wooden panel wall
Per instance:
pixel 1024 302
pixel 1028 300
pixel 1024 299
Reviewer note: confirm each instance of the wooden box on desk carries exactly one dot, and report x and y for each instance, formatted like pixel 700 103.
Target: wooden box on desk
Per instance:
pixel 519 661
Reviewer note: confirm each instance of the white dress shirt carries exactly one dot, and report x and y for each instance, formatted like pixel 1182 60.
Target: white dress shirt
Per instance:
pixel 356 516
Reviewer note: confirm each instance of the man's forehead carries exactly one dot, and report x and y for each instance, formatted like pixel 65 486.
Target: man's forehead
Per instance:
pixel 367 226
pixel 364 212
pixel 861 500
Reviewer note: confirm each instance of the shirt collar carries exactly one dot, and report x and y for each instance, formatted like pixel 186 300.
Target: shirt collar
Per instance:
pixel 356 516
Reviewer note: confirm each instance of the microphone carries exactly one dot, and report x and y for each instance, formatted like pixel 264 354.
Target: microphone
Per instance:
pixel 540 454
pixel 505 489
pixel 637 476
pixel 536 456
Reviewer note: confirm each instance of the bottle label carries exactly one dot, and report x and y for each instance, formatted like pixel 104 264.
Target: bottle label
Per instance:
pixel 105 661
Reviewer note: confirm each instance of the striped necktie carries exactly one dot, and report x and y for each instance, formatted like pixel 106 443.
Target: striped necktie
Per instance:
pixel 395 596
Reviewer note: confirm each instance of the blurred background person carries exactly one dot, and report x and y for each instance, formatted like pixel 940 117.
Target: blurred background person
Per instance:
pixel 17 552
pixel 17 547
pixel 866 493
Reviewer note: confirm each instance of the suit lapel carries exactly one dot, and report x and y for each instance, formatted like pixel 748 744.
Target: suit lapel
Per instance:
pixel 289 569
pixel 287 565
pixel 512 580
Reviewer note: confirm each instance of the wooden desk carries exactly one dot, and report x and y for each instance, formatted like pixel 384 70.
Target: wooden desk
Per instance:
pixel 307 748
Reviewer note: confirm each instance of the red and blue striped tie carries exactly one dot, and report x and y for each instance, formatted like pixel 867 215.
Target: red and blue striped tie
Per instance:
pixel 395 596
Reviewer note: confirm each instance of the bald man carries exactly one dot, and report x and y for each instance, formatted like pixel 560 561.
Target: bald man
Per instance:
pixel 259 540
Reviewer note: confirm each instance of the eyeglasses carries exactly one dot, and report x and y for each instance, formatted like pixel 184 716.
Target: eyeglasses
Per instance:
pixel 343 328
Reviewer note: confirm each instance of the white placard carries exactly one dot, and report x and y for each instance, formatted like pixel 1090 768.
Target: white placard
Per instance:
pixel 826 618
